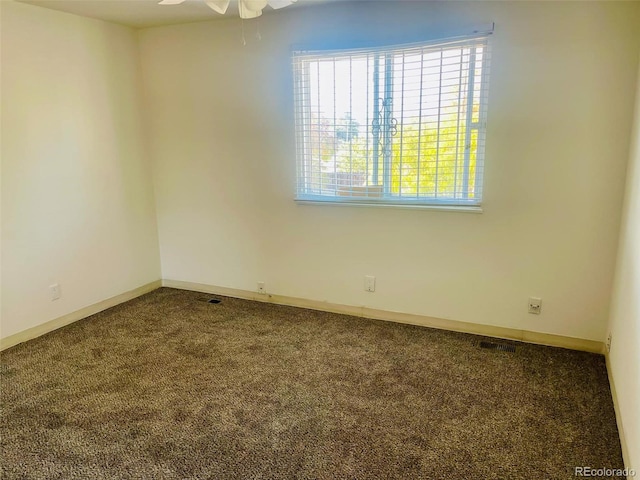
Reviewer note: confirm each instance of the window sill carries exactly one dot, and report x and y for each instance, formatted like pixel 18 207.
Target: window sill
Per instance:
pixel 411 206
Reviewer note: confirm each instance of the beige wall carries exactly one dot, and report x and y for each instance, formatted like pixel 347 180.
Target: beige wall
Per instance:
pixel 221 123
pixel 624 357
pixel 77 199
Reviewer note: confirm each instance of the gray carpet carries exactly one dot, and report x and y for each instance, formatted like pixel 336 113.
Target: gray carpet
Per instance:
pixel 167 386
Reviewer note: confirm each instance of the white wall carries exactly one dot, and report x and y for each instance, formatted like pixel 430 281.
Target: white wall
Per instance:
pixel 624 357
pixel 77 198
pixel 221 123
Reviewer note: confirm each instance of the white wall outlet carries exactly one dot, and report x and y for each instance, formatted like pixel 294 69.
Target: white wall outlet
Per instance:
pixel 54 290
pixel 609 343
pixel 535 305
pixel 369 283
pixel 261 288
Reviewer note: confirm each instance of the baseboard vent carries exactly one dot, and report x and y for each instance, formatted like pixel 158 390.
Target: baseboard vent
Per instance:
pixel 503 347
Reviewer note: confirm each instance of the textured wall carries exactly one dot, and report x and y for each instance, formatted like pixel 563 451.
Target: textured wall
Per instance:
pixel 221 123
pixel 625 312
pixel 77 197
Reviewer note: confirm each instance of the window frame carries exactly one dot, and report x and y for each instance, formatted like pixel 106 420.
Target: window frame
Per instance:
pixel 385 198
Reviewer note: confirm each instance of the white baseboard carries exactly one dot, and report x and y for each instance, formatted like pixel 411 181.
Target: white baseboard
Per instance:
pixel 616 407
pixel 422 320
pixel 56 323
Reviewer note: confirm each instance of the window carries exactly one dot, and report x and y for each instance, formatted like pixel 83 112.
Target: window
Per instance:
pixel 393 125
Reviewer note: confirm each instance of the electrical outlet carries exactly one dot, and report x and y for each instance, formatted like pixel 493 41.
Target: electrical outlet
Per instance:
pixel 54 290
pixel 261 289
pixel 369 283
pixel 535 305
pixel 609 343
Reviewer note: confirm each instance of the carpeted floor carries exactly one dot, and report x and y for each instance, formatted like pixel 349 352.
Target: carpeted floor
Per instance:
pixel 168 386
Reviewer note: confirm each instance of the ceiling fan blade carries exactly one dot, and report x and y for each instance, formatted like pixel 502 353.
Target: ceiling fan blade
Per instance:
pixel 254 5
pixel 171 2
pixel 276 4
pixel 219 6
pixel 251 8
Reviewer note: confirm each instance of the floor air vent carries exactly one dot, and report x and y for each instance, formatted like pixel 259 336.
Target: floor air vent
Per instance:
pixel 209 300
pixel 498 346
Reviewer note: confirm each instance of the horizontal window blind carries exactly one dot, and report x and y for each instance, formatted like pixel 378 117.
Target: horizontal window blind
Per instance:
pixel 402 124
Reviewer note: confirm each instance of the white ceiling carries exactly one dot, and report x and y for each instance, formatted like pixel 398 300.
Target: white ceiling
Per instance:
pixel 147 13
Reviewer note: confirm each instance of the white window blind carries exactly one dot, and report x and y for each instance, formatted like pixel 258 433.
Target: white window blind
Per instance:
pixel 402 124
